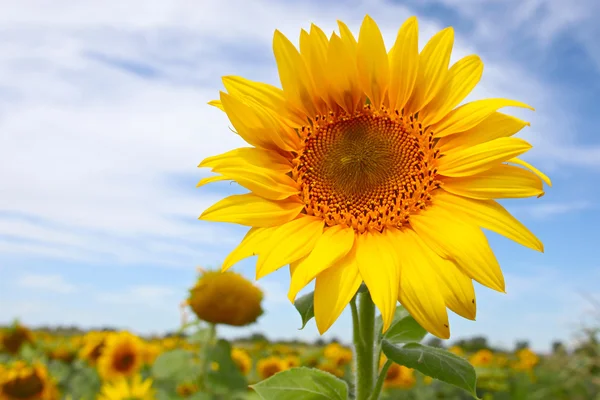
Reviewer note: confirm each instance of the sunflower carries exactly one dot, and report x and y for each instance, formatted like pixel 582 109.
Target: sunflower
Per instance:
pixel 14 337
pixel 20 381
pixel 332 368
pixel 363 169
pixel 186 389
pixel 337 354
pixel 269 366
pixel 127 389
pixel 92 347
pixel 123 356
pixel 398 376
pixel 242 360
pixel 482 358
pixel 227 298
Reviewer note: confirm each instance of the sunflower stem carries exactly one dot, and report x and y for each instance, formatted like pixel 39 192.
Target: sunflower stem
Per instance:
pixel 205 351
pixel 364 344
pixel 380 380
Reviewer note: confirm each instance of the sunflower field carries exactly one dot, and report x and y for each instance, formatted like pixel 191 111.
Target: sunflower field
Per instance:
pixel 193 363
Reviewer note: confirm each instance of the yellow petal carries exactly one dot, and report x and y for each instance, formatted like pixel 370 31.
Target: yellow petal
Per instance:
pixel 252 244
pixel 533 169
pixel 295 80
pixel 211 179
pixel 342 75
pixel 252 156
pixel 257 126
pixel 348 39
pixel 500 182
pixel 433 69
pixel 404 64
pixel 490 215
pixel 479 158
pixel 288 243
pixel 419 289
pixel 469 115
pixel 456 288
pixel 463 76
pixel 333 245
pixel 272 185
pixel 464 243
pixel 252 210
pixel 216 103
pixel 379 268
pixel 267 96
pixel 372 62
pixel 495 126
pixel 334 288
pixel 313 48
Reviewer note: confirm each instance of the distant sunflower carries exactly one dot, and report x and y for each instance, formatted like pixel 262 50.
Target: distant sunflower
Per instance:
pixel 14 337
pixel 242 360
pixel 127 389
pixel 398 376
pixel 363 168
pixel 92 347
pixel 269 366
pixel 20 381
pixel 225 298
pixel 123 356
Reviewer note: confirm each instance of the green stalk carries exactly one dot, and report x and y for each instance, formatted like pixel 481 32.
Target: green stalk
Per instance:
pixel 364 343
pixel 204 351
pixel 380 380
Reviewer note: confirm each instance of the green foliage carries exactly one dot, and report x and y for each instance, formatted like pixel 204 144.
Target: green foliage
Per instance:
pixel 302 384
pixel 436 363
pixel 306 308
pixel 227 377
pixel 176 365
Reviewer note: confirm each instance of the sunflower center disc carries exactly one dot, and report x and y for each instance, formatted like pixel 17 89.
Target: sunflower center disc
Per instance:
pixel 24 387
pixel 367 171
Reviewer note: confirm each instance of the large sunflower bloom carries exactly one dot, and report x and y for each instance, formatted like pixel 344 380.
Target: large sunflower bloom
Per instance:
pixel 363 168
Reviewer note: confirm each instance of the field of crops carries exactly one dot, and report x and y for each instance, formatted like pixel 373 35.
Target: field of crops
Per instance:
pixel 120 365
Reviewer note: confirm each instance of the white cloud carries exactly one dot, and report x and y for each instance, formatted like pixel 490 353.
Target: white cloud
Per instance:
pixel 150 296
pixel 275 292
pixel 46 282
pixel 550 210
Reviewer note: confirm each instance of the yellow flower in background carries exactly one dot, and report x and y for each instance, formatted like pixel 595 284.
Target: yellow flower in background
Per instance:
pixel 93 345
pixel 225 298
pixel 20 381
pixel 242 359
pixel 482 358
pixel 187 389
pixel 13 338
pixel 365 168
pixel 292 361
pixel 526 360
pixel 123 356
pixel 62 352
pixel 337 354
pixel 127 389
pixel 398 376
pixel 456 350
pixel 332 368
pixel 269 366
pixel 150 352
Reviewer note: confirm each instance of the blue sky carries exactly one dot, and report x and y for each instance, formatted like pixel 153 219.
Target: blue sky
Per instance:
pixel 103 119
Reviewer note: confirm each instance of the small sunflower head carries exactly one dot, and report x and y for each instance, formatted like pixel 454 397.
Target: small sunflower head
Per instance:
pixel 20 381
pixel 332 368
pixel 122 356
pixel 62 352
pixel 482 358
pixel 92 346
pixel 242 360
pixel 337 354
pixel 187 389
pixel 267 367
pixel 225 298
pixel 398 376
pixel 15 337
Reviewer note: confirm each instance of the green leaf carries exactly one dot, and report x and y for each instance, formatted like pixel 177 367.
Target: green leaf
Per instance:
pixel 302 384
pixel 434 362
pixel 200 336
pixel 399 314
pixel 306 308
pixel 227 377
pixel 174 364
pixel 405 330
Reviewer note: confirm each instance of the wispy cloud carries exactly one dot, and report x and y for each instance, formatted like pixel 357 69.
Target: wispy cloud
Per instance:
pixel 46 282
